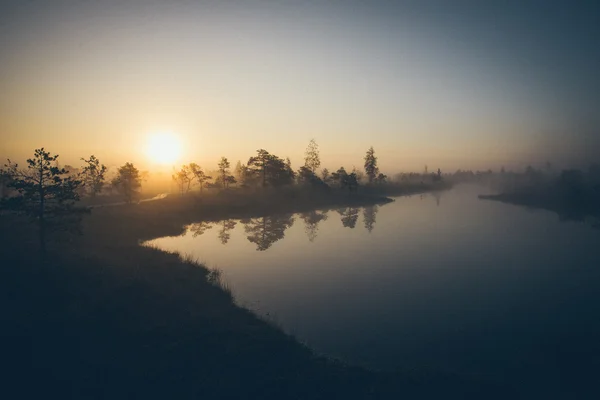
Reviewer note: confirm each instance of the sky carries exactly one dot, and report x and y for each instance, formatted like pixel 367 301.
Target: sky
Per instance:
pixel 450 84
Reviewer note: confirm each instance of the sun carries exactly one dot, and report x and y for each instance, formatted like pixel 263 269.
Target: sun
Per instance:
pixel 163 148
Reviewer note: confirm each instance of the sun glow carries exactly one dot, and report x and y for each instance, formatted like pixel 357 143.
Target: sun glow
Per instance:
pixel 163 148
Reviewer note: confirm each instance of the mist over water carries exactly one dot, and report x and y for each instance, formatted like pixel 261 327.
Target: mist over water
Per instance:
pixel 443 281
pixel 170 115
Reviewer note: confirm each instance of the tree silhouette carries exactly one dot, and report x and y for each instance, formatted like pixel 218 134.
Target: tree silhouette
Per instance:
pixel 45 193
pixel 369 214
pixel 128 181
pixel 259 164
pixel 340 177
pixel 289 173
pixel 225 176
pixel 325 176
pixel 265 231
pixel 246 176
pixel 345 180
pixel 371 165
pixel 199 228
pixel 307 177
pixel 93 175
pixel 199 175
pixel 226 226
pixel 381 178
pixel 312 160
pixel 273 170
pixel 238 172
pixel 311 223
pixel 144 175
pixel 359 174
pixel 352 182
pixel 349 216
pixel 183 178
pixel 71 170
pixel 229 180
pixel 5 180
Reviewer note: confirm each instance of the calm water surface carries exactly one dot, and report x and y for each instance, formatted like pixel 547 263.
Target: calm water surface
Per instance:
pixel 440 281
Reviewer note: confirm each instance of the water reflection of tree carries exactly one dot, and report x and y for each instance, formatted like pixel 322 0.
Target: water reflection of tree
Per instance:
pixel 199 228
pixel 437 195
pixel 349 216
pixel 226 226
pixel 267 230
pixel 369 214
pixel 311 223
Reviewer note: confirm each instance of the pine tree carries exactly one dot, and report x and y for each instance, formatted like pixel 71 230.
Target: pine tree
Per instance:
pixel 273 170
pixel 45 193
pixel 371 169
pixel 128 181
pixel 199 175
pixel 225 173
pixel 93 175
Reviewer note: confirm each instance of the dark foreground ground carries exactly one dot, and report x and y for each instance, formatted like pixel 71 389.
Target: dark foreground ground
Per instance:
pixel 102 317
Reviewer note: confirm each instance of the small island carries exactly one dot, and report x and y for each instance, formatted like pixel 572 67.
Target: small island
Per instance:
pixel 573 194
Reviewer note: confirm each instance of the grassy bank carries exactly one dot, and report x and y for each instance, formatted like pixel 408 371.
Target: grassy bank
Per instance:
pixel 102 317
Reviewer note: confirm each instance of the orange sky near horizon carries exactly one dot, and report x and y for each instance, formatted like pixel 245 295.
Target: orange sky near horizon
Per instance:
pixel 82 78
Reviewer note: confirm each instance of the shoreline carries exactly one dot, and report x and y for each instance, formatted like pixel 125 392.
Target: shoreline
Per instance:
pixel 169 216
pixel 565 208
pixel 107 316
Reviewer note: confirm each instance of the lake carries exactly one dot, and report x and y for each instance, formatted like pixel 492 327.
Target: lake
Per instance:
pixel 440 281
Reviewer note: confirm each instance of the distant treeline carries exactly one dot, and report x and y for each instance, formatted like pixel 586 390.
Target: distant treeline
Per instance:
pixel 48 192
pixel 261 170
pixel 572 193
pixel 269 170
pixel 572 182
